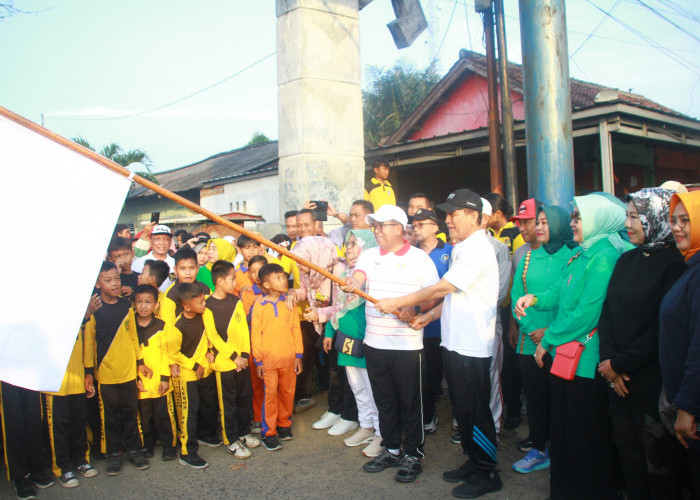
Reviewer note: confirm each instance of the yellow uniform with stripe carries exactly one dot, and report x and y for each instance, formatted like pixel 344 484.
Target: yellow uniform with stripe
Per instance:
pixel 153 340
pixel 379 193
pixel 74 378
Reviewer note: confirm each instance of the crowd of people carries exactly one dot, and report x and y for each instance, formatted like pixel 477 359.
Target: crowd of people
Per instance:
pixel 588 316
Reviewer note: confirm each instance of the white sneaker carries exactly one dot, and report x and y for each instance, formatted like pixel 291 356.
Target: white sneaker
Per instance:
pixel 250 441
pixel 431 426
pixel 374 448
pixel 362 436
pixel 342 426
pixel 327 420
pixel 238 450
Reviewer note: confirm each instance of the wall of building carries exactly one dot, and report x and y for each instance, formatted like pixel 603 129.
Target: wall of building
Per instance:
pixel 253 196
pixel 137 211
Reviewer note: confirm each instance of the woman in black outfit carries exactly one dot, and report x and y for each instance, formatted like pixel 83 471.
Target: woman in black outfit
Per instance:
pixel 629 336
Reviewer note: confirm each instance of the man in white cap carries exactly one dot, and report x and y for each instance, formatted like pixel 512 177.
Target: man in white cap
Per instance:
pixel 393 350
pixel 161 238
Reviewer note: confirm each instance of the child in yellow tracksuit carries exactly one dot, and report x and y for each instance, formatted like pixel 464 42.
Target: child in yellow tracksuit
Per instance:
pixel 155 393
pixel 277 352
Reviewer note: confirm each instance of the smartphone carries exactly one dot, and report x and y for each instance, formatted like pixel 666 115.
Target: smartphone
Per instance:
pixel 321 210
pixel 155 217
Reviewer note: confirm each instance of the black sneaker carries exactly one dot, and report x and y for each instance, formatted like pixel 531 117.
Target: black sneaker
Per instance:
pixel 410 468
pixel 114 464
pixel 285 433
pixel 271 443
pixel 42 479
pixel 304 404
pixel 465 471
pixel 211 443
pixel 525 445
pixel 169 454
pixel 479 484
pixel 194 461
pixel 148 453
pixel 86 470
pixel 139 460
pixel 456 438
pixel 511 422
pixel 68 479
pixel 384 460
pixel 25 489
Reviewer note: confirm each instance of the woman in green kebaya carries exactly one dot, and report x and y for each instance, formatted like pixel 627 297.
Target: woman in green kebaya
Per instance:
pixel 581 451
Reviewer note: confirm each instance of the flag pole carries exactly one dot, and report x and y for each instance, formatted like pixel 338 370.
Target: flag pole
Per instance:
pixel 115 167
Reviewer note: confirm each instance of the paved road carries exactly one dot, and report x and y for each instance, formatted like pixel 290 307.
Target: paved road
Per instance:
pixel 312 466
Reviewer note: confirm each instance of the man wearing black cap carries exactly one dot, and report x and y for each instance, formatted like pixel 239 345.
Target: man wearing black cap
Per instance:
pixel 468 320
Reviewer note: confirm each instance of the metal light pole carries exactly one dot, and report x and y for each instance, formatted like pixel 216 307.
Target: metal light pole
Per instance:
pixel 495 155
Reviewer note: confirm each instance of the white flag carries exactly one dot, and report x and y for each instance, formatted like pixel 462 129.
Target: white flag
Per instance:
pixel 58 210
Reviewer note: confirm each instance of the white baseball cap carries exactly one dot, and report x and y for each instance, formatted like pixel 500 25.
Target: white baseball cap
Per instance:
pixel 487 209
pixel 387 213
pixel 161 229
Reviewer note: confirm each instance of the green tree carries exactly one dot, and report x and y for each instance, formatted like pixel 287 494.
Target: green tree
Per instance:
pixel 258 138
pixel 392 95
pixel 115 153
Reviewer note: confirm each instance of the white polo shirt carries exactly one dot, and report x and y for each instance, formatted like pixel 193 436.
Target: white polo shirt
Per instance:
pixel 137 267
pixel 469 314
pixel 389 275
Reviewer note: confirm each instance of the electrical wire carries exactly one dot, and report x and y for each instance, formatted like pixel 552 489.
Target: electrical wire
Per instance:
pixel 444 36
pixel 680 10
pixel 681 28
pixel 592 33
pixel 176 101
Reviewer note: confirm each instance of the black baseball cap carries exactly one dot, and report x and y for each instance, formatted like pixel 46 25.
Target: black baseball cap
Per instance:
pixel 462 198
pixel 425 214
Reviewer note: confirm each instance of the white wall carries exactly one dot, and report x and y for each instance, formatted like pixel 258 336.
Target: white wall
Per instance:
pixel 255 196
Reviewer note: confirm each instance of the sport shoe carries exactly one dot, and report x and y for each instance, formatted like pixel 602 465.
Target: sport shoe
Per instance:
pixel 465 471
pixel 193 460
pixel 238 450
pixel 68 480
pixel 114 464
pixel 524 445
pixel 169 454
pixel 342 426
pixel 25 489
pixel 304 404
pixel 139 460
pixel 271 443
pixel 256 428
pixel 456 438
pixel 211 444
pixel 86 470
pixel 455 427
pixel 409 470
pixel 42 479
pixel 479 484
pixel 285 433
pixel 374 448
pixel 326 421
pixel 250 442
pixel 382 461
pixel 511 422
pixel 431 426
pixel 362 436
pixel 534 460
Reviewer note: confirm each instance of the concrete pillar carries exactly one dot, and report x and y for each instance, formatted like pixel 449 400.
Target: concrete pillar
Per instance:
pixel 606 157
pixel 321 144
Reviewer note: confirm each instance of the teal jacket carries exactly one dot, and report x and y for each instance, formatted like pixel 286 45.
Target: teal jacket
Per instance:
pixel 353 325
pixel 579 294
pixel 542 272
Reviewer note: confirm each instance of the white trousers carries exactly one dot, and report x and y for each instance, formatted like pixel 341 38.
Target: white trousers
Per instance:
pixel 367 413
pixel 496 402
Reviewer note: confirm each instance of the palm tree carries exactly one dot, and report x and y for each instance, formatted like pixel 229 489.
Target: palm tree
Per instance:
pixel 115 153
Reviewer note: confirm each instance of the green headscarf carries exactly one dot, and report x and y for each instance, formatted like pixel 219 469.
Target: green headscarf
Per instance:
pixel 559 228
pixel 348 301
pixel 226 250
pixel 602 217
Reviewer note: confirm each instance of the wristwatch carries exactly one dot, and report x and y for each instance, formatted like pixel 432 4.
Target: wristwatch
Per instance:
pixel 417 309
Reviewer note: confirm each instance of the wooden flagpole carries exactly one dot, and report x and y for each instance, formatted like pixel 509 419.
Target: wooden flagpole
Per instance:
pixel 115 167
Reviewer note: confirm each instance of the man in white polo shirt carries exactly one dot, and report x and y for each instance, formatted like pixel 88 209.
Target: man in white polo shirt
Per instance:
pixel 393 350
pixel 161 237
pixel 468 321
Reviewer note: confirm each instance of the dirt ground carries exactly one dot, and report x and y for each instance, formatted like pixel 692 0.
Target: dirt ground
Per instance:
pixel 312 466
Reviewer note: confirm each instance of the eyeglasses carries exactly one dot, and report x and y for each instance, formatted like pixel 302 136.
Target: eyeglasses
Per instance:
pixel 381 225
pixel 680 221
pixel 575 217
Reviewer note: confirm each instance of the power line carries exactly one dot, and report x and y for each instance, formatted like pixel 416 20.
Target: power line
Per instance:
pixel 469 32
pixel 680 10
pixel 590 35
pixel 681 28
pixel 157 108
pixel 449 23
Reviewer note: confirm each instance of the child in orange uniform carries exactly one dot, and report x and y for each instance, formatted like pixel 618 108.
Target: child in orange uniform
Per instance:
pixel 277 352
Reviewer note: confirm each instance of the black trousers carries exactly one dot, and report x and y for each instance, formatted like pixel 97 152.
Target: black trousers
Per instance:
pixel 119 407
pixel 66 420
pixel 536 388
pixel 469 383
pixel 208 416
pixel 21 417
pixel 511 385
pixel 235 403
pixel 94 421
pixel 187 406
pixel 581 446
pixel 432 377
pixel 341 399
pixel 305 380
pixel 158 418
pixel 395 377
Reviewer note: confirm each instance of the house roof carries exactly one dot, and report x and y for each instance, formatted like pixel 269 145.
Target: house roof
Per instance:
pixel 582 93
pixel 241 162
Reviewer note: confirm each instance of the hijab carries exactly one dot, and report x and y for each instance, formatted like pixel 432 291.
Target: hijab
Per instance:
pixel 653 208
pixel 319 251
pixel 560 233
pixel 602 218
pixel 226 250
pixel 691 202
pixel 348 301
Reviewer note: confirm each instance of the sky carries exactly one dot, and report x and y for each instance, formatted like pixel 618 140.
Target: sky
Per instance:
pixel 89 65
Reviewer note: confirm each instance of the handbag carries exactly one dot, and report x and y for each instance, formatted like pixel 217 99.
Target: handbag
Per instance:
pixel 348 345
pixel 568 356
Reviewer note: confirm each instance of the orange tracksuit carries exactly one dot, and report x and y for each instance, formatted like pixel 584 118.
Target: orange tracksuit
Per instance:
pixel 242 279
pixel 275 343
pixel 248 299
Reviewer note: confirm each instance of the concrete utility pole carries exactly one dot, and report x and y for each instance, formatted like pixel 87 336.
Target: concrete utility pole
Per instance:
pixel 550 149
